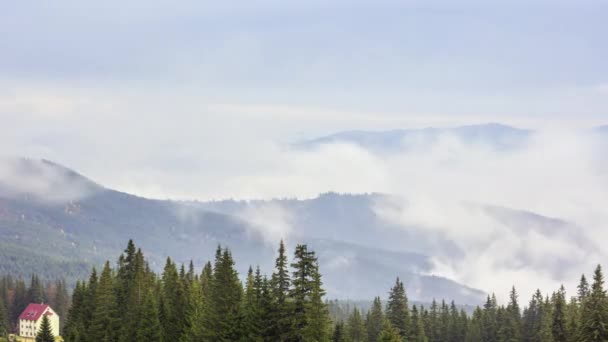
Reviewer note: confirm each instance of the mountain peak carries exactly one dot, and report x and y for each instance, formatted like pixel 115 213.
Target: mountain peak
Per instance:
pixel 43 180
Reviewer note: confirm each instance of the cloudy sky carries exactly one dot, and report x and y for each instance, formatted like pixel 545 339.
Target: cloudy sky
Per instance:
pixel 191 99
pixel 201 99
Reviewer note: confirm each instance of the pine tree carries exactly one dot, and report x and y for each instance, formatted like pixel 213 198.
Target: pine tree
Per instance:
pixel 149 329
pixel 339 334
pixel 583 289
pixel 375 321
pixel 356 327
pixel 474 331
pixel 559 322
pixel 282 322
pixel 172 303
pixel 45 334
pixel 103 322
pixel 195 315
pixel 222 318
pixel 389 333
pixel 417 330
pixel 35 293
pixel 397 311
pixel 3 318
pixel 511 328
pixel 595 311
pixel 489 321
pixel 251 325
pixel 301 292
pixel 74 327
pixel 317 315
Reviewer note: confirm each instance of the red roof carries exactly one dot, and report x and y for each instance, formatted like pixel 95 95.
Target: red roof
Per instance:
pixel 33 312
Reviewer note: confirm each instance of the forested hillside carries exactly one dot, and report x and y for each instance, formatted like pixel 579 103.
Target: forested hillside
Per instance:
pixel 130 302
pixel 68 223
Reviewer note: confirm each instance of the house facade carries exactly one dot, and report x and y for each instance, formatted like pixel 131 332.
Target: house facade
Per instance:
pixel 31 320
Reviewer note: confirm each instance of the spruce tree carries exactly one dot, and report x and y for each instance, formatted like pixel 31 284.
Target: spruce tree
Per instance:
pixel 375 321
pixel 148 329
pixel 172 303
pixel 389 333
pixel 356 327
pixel 301 292
pixel 397 311
pixel 222 318
pixel 3 318
pixel 595 311
pixel 583 289
pixel 282 320
pixel 103 322
pixel 474 331
pixel 45 333
pixel 339 334
pixel 195 315
pixel 489 321
pixel 511 327
pixel 317 315
pixel 417 329
pixel 251 325
pixel 559 321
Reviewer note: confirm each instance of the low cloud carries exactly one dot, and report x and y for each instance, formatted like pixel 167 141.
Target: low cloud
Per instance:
pixel 42 181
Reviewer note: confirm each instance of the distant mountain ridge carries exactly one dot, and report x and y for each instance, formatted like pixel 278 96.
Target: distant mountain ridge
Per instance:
pixel 68 234
pixel 498 136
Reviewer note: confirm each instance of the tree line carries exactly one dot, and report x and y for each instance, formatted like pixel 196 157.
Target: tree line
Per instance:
pixel 130 302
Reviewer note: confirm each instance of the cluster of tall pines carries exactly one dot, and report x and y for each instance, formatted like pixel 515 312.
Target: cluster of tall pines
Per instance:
pixel 130 302
pixel 16 294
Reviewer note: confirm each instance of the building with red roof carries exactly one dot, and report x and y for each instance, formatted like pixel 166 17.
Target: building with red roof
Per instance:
pixel 31 319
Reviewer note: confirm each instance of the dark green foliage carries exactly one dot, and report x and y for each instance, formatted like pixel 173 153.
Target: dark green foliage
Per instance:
pixel 148 328
pixel 339 334
pixel 45 334
pixel 594 316
pixel 130 303
pixel 389 333
pixel 103 325
pixel 223 317
pixel 397 310
pixel 3 318
pixel 356 327
pixel 375 321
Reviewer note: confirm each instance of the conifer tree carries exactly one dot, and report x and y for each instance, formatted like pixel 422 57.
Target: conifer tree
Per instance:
pixel 375 321
pixel 595 311
pixel 583 289
pixel 474 331
pixel 389 333
pixel 339 334
pixel 35 293
pixel 194 328
pixel 417 329
pixel 559 322
pixel 74 327
pixel 45 334
pixel 251 325
pixel 172 303
pixel 103 323
pixel 317 315
pixel 222 320
pixel 356 327
pixel 282 323
pixel 511 328
pixel 489 321
pixel 149 329
pixel 3 318
pixel 397 311
pixel 301 292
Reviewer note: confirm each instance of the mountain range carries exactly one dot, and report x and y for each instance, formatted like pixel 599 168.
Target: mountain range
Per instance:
pixel 56 222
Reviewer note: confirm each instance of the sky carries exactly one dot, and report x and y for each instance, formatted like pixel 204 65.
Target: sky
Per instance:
pixel 202 99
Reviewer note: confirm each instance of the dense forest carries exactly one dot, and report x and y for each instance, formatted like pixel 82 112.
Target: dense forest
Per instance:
pixel 130 302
